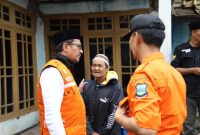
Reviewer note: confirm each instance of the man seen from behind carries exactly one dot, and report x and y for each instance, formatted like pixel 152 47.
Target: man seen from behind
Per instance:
pixel 156 102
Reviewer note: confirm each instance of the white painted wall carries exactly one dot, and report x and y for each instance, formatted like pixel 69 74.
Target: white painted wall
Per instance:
pixel 165 14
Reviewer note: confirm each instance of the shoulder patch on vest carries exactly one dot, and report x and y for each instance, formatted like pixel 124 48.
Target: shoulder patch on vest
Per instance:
pixel 141 90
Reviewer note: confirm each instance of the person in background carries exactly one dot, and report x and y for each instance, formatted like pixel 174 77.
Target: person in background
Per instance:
pixel 186 60
pixel 156 102
pixel 101 97
pixel 61 107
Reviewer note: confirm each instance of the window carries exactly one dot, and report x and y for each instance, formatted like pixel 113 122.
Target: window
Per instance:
pixel 124 21
pixel 128 63
pixel 4 13
pixel 6 83
pixel 22 19
pixel 25 71
pixel 99 23
pixel 17 62
pixel 103 45
pixel 62 24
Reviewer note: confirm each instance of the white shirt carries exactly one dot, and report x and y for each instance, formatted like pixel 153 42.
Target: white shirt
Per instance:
pixel 52 86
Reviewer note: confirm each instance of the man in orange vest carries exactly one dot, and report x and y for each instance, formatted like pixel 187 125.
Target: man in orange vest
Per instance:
pixel 156 102
pixel 61 107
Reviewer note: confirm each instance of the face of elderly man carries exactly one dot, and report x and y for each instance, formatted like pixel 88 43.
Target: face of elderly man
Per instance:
pixel 99 68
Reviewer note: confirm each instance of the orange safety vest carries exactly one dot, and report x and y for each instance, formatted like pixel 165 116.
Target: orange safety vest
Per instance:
pixel 72 108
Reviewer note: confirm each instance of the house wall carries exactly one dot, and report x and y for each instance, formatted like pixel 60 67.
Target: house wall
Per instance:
pixel 21 3
pixel 15 125
pixel 18 124
pixel 117 5
pixel 40 44
pixel 164 12
pixel 87 7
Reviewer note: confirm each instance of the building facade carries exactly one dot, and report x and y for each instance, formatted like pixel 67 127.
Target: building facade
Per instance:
pixel 26 30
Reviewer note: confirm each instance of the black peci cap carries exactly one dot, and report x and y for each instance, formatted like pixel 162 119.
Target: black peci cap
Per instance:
pixel 144 21
pixel 194 25
pixel 66 35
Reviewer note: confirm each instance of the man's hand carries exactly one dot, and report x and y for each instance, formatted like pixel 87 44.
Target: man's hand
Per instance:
pixel 192 70
pixel 197 70
pixel 121 111
pixel 81 85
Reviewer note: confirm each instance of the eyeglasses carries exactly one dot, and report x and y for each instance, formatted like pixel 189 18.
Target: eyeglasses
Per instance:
pixel 78 45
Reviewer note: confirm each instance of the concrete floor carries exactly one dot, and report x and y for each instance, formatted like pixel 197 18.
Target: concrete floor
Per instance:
pixel 35 130
pixel 32 131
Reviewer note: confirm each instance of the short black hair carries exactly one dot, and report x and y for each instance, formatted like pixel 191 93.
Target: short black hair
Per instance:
pixel 59 47
pixel 65 36
pixel 152 36
pixel 194 25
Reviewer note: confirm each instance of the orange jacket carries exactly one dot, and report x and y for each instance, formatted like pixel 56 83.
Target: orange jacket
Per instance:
pixel 157 96
pixel 72 107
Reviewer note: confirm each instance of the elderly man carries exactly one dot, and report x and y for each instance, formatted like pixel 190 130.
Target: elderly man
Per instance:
pixel 101 97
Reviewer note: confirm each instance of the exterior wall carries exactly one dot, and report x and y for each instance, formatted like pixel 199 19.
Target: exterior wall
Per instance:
pixel 165 14
pixel 21 3
pixel 40 44
pixel 117 5
pixel 18 124
pixel 87 7
pixel 15 125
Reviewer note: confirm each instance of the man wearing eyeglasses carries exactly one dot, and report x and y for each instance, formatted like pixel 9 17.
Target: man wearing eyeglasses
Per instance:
pixel 61 107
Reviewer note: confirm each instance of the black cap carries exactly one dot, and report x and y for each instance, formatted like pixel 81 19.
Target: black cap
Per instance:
pixel 194 25
pixel 66 35
pixel 144 21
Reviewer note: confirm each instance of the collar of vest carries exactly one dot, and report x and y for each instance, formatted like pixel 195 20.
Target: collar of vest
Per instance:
pixel 64 60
